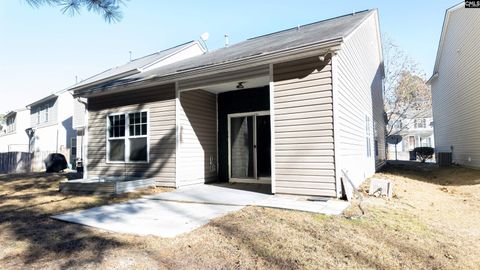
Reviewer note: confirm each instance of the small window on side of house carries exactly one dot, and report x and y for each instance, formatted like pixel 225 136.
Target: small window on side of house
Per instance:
pixel 46 113
pixel 11 124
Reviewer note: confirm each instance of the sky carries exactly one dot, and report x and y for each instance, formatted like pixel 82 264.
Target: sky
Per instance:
pixel 43 51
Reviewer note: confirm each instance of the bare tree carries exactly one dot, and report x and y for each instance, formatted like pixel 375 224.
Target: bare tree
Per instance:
pixel 109 9
pixel 406 94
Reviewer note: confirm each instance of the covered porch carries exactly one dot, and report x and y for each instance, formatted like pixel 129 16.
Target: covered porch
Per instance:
pixel 224 129
pixel 269 124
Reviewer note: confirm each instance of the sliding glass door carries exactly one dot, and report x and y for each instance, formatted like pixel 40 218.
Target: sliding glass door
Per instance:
pixel 249 146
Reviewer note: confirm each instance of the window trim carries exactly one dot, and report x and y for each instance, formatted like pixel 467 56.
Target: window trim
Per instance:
pixel 46 109
pixel 11 127
pixel 39 110
pixel 73 145
pixel 126 138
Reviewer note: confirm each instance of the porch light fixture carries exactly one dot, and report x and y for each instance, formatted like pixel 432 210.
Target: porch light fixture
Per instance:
pixel 240 85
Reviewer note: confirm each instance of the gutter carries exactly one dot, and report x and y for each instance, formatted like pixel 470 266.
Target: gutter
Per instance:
pixel 52 96
pixel 10 114
pixel 268 58
pixel 434 77
pixel 116 76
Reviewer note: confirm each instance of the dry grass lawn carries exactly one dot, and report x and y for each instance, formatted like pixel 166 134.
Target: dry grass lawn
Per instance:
pixel 431 223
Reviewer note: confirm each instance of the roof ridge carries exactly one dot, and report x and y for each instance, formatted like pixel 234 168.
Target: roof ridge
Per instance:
pixel 157 52
pixel 136 59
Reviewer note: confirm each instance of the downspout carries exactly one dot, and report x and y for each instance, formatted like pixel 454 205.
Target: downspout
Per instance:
pixel 83 157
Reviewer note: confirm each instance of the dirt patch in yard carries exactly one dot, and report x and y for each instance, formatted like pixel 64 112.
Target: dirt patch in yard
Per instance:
pixel 432 223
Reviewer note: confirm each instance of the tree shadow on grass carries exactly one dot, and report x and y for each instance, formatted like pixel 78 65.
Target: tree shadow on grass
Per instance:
pixel 309 242
pixel 26 204
pixel 25 218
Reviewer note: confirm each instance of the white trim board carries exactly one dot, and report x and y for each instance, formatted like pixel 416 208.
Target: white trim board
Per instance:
pixel 272 129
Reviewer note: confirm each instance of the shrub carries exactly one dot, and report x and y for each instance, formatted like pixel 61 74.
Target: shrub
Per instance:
pixel 424 153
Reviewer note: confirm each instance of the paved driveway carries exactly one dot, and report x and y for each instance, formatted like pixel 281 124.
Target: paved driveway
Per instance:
pixel 172 213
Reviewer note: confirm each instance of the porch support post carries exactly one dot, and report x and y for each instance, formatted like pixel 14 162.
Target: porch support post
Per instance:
pixel 272 129
pixel 177 135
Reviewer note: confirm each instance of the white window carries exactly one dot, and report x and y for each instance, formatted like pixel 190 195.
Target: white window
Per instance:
pixel 127 136
pixel 368 133
pixel 411 142
pixel 38 115
pixel 42 114
pixel 46 113
pixel 426 142
pixel 11 124
pixel 73 146
pixel 421 123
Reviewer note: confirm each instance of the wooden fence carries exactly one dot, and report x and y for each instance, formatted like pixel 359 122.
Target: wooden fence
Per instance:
pixel 15 162
pixel 22 162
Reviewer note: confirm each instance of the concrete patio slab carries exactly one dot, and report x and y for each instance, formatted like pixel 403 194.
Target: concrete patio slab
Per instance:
pixel 236 195
pixel 172 213
pixel 212 194
pixel 330 207
pixel 149 217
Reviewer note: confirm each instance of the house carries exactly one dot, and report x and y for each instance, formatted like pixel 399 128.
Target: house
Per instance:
pixel 455 86
pixel 139 65
pixel 416 131
pixel 51 126
pixel 13 137
pixel 300 110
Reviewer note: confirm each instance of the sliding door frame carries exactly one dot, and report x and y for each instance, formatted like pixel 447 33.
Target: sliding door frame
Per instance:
pixel 255 179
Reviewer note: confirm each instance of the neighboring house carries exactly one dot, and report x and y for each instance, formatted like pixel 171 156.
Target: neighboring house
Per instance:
pixel 456 86
pixel 51 126
pixel 299 109
pixel 142 64
pixel 416 131
pixel 13 137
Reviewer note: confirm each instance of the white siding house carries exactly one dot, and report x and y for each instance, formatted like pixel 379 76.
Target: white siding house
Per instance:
pixel 51 124
pixel 456 87
pixel 13 137
pixel 416 132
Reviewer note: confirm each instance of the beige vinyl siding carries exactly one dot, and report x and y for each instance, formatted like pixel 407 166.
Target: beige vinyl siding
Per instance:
pixel 456 90
pixel 197 138
pixel 304 156
pixel 358 87
pixel 160 103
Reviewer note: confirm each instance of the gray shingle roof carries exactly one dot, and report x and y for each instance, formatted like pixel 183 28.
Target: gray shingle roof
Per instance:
pixel 134 64
pixel 296 37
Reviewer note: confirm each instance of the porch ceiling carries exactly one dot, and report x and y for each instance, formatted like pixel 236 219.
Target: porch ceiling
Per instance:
pixel 230 86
